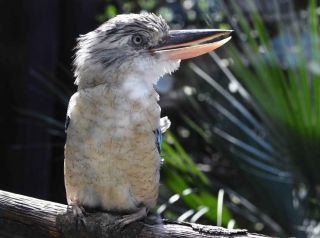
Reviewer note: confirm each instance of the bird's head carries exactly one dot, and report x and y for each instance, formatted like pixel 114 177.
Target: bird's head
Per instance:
pixel 138 45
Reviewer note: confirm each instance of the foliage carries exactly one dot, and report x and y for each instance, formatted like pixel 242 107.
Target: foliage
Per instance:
pixel 265 113
pixel 183 177
pixel 179 13
pixel 180 174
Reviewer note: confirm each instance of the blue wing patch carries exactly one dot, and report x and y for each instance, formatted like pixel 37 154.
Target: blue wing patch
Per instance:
pixel 158 139
pixel 66 124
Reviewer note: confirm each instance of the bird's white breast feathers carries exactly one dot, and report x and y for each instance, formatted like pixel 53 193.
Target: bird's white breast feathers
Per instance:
pixel 111 159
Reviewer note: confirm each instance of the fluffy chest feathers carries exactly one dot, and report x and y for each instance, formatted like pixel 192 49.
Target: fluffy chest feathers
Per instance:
pixel 111 158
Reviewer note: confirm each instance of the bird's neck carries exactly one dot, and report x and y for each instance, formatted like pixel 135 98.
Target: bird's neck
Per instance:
pixel 131 88
pixel 133 84
pixel 137 86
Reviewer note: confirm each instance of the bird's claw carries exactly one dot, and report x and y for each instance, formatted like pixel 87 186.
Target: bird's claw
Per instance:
pixel 78 211
pixel 79 215
pixel 127 219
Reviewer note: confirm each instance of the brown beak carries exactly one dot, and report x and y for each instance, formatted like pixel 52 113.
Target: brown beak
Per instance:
pixel 186 44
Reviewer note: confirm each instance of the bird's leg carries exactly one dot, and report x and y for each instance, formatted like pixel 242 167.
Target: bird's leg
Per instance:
pixel 127 219
pixel 78 212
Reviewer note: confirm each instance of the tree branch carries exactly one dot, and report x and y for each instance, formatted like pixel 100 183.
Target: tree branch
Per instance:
pixel 22 216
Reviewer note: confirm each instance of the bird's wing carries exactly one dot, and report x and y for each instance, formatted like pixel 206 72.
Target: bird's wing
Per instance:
pixel 158 140
pixel 66 124
pixel 164 125
pixel 71 107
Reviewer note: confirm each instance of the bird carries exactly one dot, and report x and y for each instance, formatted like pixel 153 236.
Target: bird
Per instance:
pixel 113 126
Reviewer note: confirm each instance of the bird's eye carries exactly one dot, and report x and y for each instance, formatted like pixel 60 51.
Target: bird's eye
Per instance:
pixel 137 40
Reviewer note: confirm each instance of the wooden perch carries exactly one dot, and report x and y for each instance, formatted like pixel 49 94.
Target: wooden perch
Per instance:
pixel 22 216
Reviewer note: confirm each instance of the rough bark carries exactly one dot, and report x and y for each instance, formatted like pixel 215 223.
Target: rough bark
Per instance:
pixel 22 216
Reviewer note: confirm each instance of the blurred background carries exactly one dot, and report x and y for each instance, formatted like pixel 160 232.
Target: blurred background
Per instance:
pixel 243 150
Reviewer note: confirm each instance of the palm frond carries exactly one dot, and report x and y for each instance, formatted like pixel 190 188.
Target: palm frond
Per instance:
pixel 265 112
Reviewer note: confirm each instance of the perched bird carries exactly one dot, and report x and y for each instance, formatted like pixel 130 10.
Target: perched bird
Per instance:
pixel 112 151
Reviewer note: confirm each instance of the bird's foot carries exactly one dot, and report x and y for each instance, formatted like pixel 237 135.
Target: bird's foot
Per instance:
pixel 127 219
pixel 78 211
pixel 79 214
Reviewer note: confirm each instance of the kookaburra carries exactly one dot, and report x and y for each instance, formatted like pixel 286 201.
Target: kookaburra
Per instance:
pixel 112 151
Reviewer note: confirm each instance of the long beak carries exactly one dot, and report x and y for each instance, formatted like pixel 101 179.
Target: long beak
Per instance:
pixel 186 44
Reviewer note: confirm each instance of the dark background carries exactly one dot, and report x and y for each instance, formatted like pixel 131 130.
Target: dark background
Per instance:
pixel 36 36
